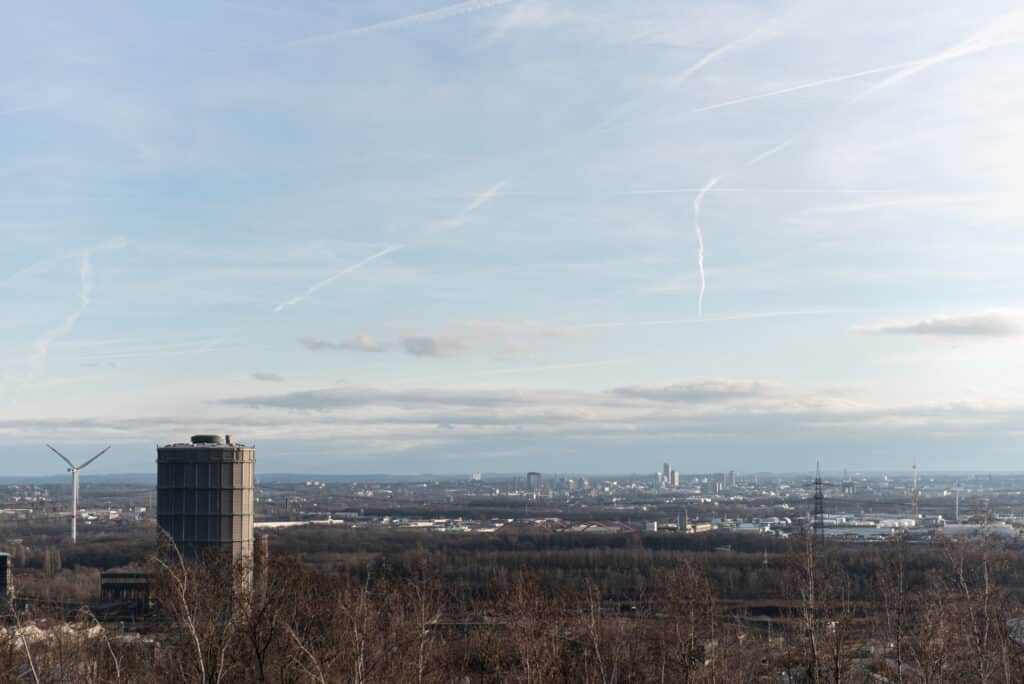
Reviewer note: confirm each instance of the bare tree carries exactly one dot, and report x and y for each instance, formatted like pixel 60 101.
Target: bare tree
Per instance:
pixel 892 587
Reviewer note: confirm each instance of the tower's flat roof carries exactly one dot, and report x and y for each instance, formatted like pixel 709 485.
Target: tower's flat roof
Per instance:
pixel 205 445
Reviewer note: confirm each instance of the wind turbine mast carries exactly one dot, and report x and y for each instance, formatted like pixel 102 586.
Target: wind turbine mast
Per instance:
pixel 74 487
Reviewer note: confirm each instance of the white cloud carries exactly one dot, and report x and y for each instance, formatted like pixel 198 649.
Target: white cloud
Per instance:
pixel 701 391
pixel 423 345
pixel 267 377
pixel 504 339
pixel 995 323
pixel 362 343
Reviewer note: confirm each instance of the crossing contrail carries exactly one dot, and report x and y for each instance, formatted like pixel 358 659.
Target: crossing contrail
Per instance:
pixel 804 86
pixel 700 240
pixel 1003 30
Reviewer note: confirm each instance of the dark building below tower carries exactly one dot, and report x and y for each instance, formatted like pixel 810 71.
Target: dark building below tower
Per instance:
pixel 6 576
pixel 129 589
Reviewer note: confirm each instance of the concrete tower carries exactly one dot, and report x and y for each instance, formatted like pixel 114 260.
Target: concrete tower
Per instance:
pixel 205 496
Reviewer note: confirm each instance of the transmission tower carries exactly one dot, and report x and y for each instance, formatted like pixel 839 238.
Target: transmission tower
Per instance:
pixel 819 507
pixel 915 492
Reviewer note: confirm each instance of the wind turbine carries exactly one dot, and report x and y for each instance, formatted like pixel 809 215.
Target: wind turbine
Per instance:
pixel 74 488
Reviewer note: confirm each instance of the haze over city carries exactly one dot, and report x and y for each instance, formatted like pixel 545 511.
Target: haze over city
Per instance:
pixel 502 235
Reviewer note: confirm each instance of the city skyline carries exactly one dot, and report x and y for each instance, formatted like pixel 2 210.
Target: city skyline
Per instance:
pixel 459 237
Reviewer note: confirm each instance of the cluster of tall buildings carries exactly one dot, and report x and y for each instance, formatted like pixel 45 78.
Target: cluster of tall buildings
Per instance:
pixel 668 477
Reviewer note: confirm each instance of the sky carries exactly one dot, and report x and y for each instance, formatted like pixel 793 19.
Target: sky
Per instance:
pixel 509 235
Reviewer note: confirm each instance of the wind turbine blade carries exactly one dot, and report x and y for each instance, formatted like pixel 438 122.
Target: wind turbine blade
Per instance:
pixel 94 458
pixel 63 457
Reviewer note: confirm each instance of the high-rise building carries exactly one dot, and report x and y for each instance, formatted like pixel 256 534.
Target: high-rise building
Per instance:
pixel 533 482
pixel 675 479
pixel 666 474
pixel 732 479
pixel 205 496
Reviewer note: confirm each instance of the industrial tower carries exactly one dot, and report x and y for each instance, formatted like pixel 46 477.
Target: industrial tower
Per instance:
pixel 205 496
pixel 819 507
pixel 915 492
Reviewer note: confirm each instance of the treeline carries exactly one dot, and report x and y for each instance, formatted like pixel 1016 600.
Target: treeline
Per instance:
pixel 47 548
pixel 739 567
pixel 407 622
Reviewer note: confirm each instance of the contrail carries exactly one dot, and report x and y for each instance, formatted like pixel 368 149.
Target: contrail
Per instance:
pixel 1004 30
pixel 770 152
pixel 484 197
pixel 620 111
pixel 41 347
pixel 696 213
pixel 714 55
pixel 805 86
pixel 700 240
pixel 478 201
pixel 327 281
pixel 409 20
pixel 38 266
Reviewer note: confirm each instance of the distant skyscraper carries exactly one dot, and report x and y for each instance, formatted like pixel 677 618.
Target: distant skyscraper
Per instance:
pixel 675 479
pixel 533 482
pixel 732 479
pixel 205 496
pixel 666 474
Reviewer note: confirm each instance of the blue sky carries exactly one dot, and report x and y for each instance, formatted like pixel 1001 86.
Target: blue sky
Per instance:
pixel 416 236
